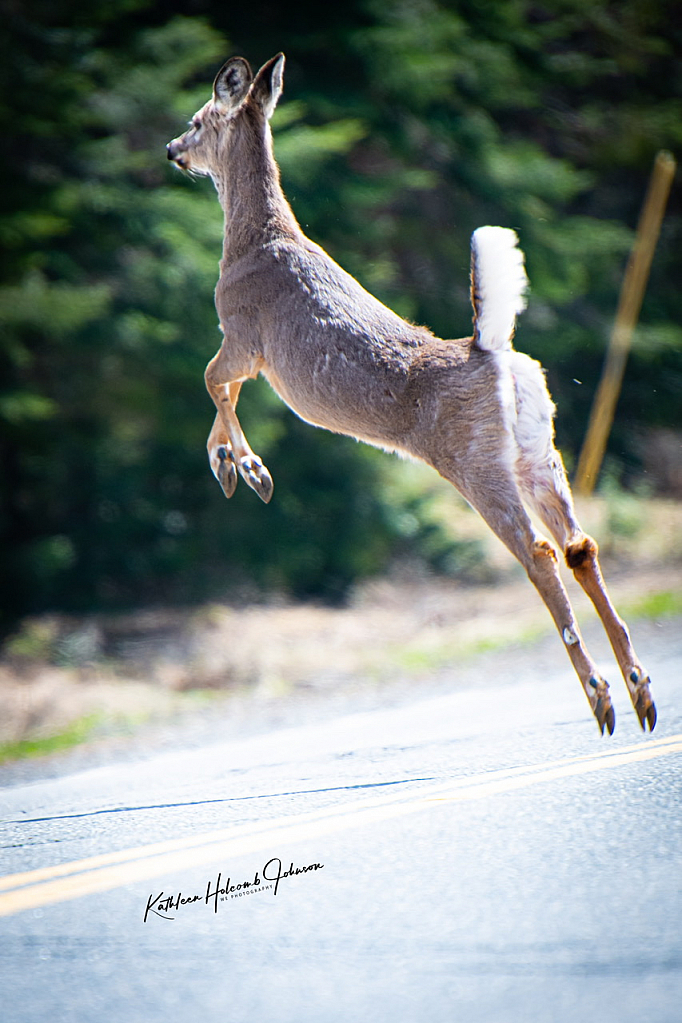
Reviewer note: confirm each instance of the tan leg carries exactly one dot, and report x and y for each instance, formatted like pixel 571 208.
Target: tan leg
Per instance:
pixel 228 448
pixel 500 505
pixel 221 458
pixel 581 556
pixel 548 492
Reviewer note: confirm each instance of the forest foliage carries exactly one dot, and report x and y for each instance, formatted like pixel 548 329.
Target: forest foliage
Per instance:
pixel 404 125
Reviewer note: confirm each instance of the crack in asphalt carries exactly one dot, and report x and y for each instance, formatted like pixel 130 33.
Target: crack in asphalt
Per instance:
pixel 226 799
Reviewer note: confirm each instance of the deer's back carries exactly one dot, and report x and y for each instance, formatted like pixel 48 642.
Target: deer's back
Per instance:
pixel 335 354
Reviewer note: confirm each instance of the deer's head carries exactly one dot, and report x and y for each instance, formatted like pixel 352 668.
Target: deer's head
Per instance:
pixel 236 93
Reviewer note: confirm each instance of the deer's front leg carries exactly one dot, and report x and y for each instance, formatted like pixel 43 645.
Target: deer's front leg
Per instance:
pixel 228 448
pixel 221 457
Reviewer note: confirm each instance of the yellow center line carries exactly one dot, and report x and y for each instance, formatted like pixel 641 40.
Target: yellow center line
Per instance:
pixel 49 885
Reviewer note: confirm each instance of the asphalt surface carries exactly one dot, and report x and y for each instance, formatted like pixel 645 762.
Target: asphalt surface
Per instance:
pixel 479 853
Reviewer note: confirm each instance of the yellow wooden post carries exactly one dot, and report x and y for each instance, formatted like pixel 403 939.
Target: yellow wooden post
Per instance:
pixel 627 314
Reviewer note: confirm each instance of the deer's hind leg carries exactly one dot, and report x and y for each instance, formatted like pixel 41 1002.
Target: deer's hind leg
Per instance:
pixel 228 449
pixel 497 499
pixel 581 555
pixel 542 479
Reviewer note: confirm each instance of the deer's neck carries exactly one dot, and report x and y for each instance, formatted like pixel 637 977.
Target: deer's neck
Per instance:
pixel 255 208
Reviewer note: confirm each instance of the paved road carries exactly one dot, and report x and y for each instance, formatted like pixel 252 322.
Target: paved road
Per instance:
pixel 480 854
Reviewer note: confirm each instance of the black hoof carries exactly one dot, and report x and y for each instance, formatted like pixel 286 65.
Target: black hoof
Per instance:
pixel 227 472
pixel 257 476
pixel 646 709
pixel 605 715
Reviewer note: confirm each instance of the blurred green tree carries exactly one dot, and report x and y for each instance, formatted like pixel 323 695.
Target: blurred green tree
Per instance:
pixel 102 259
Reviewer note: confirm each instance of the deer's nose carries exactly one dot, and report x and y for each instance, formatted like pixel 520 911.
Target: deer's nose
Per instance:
pixel 172 150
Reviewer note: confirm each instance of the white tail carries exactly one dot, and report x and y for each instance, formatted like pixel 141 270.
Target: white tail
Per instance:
pixel 473 408
pixel 498 286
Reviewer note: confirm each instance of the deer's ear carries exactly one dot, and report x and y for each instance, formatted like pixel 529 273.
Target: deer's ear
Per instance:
pixel 267 85
pixel 232 83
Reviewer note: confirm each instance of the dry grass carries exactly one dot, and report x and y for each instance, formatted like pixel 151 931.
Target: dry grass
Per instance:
pixel 72 678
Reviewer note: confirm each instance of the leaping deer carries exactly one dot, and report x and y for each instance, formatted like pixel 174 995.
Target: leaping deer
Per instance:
pixel 475 409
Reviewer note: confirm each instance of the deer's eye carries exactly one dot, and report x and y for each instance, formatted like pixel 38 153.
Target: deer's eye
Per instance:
pixel 196 124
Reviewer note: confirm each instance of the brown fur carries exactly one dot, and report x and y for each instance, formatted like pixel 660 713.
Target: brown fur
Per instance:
pixel 343 361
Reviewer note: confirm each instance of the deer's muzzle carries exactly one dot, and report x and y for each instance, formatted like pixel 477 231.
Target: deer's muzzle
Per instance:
pixel 174 151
